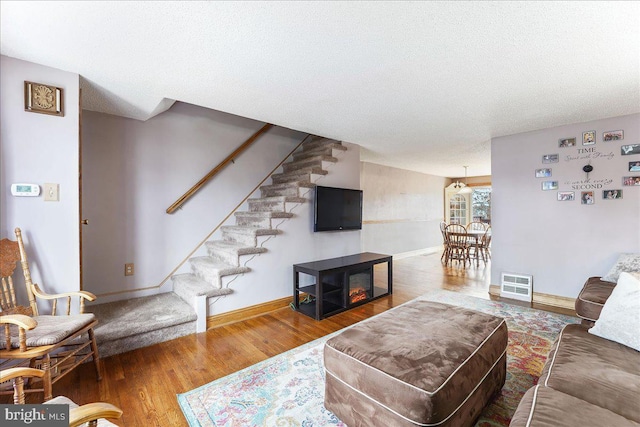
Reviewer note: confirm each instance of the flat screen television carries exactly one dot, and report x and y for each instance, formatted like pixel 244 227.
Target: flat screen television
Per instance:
pixel 337 209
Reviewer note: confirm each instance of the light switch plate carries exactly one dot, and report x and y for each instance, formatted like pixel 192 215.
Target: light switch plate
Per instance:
pixel 51 192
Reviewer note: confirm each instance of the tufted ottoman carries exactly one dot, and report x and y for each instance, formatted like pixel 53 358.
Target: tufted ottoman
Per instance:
pixel 421 364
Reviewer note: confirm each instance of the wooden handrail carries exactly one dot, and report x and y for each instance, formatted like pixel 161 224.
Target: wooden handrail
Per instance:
pixel 178 203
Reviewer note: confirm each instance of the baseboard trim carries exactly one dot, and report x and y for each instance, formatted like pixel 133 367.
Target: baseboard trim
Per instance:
pixel 558 301
pixel 423 251
pixel 246 313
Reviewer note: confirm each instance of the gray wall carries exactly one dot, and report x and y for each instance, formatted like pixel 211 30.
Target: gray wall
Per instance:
pixel 134 170
pixel 38 149
pixel 562 243
pixel 402 209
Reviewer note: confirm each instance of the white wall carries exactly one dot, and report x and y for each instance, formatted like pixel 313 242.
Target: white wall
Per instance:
pixel 562 243
pixel 134 170
pixel 402 210
pixel 39 148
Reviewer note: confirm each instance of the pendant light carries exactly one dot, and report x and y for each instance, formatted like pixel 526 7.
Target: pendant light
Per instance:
pixel 466 189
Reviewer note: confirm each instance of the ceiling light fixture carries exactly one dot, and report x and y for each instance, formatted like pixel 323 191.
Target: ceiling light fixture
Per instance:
pixel 466 189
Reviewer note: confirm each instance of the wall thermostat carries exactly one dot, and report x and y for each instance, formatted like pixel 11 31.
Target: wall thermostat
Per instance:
pixel 25 190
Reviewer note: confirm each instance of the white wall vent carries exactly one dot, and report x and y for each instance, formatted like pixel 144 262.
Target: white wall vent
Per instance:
pixel 517 286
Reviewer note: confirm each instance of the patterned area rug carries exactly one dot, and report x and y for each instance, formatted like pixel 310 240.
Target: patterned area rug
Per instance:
pixel 288 390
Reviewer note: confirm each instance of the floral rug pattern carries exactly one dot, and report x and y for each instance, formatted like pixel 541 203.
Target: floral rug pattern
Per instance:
pixel 288 390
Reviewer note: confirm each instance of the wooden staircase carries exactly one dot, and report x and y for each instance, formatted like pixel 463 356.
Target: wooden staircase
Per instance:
pixel 210 274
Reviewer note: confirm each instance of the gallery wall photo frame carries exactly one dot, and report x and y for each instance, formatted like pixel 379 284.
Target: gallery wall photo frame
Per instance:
pixel 550 158
pixel 589 137
pixel 549 185
pixel 43 99
pixel 629 181
pixel 613 135
pixel 566 142
pixel 543 173
pixel 586 198
pixel 634 166
pixel 628 150
pixel 566 196
pixel 611 194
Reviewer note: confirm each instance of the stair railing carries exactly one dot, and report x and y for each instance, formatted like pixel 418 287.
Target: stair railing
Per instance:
pixel 203 241
pixel 186 196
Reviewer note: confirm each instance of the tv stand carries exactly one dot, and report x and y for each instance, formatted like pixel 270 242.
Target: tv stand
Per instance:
pixel 339 284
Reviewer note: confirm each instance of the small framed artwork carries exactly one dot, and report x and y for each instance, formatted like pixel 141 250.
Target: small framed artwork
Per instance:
pixel 567 142
pixel 611 194
pixel 634 166
pixel 543 173
pixel 549 185
pixel 589 137
pixel 627 150
pixel 43 99
pixel 550 158
pixel 613 135
pixel 587 198
pixel 566 196
pixel 630 180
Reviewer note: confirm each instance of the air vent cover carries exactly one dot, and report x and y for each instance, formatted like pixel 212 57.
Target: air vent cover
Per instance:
pixel 517 286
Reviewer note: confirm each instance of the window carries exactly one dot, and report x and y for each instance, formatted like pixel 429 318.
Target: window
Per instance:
pixel 457 209
pixel 481 204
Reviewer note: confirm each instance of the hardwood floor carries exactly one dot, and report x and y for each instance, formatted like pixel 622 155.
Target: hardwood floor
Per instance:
pixel 144 382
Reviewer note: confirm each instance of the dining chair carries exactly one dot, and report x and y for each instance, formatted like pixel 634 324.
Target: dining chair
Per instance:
pixel 54 343
pixel 445 243
pixel 477 226
pixel 485 244
pixel 458 244
pixel 93 414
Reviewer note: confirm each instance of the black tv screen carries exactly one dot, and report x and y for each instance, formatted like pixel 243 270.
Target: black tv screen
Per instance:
pixel 337 209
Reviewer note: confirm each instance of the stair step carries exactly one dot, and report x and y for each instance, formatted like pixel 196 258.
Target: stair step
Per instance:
pixel 315 161
pixel 246 235
pixel 260 219
pixel 319 142
pixel 211 270
pixel 303 174
pixel 187 286
pixel 325 149
pixel 286 189
pixel 140 322
pixel 273 204
pixel 230 252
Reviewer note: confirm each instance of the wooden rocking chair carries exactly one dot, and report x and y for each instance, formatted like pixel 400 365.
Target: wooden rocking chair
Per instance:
pixel 91 413
pixel 55 344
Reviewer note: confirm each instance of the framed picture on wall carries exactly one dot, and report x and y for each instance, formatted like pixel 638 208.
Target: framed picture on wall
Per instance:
pixel 589 137
pixel 566 196
pixel 634 166
pixel 566 142
pixel 587 198
pixel 630 180
pixel 627 150
pixel 611 194
pixel 613 135
pixel 550 158
pixel 543 173
pixel 549 185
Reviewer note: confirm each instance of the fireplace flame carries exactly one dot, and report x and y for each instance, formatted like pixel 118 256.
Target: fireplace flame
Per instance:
pixel 357 294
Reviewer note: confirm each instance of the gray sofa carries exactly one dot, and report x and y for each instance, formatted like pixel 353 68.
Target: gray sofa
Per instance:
pixel 587 380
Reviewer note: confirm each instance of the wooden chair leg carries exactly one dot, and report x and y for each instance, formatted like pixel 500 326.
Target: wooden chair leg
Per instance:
pixel 46 379
pixel 96 357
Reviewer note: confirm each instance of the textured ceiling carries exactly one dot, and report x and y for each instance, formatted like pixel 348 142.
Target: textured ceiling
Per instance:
pixel 419 85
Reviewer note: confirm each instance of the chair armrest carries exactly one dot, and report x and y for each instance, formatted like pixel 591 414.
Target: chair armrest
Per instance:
pixel 93 411
pixel 20 320
pixel 11 373
pixel 82 295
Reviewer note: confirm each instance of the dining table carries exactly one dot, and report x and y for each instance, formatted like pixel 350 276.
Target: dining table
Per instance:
pixel 474 237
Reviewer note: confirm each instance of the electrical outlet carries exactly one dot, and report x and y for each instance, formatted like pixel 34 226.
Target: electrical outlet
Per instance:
pixel 128 269
pixel 51 192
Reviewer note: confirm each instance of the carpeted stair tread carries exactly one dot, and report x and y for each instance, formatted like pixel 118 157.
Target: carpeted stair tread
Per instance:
pixel 282 185
pixel 325 149
pixel 233 247
pixel 207 264
pixel 137 316
pixel 249 231
pixel 287 199
pixel 264 214
pixel 302 174
pixel 188 285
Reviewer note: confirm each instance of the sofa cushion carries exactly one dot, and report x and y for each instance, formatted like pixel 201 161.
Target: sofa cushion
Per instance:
pixel 592 297
pixel 626 262
pixel 598 371
pixel 544 406
pixel 620 317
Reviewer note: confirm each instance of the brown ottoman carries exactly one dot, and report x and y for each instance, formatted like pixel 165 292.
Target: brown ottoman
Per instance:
pixel 592 298
pixel 424 363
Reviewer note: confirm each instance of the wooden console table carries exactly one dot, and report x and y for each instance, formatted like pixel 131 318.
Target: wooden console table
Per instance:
pixel 339 284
